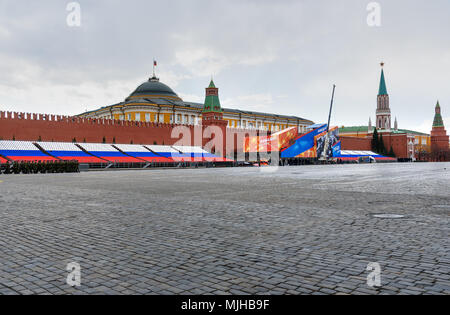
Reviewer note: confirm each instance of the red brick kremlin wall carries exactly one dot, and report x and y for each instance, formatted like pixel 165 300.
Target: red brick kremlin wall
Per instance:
pixel 31 127
pixel 398 141
pixel 34 127
pixel 356 144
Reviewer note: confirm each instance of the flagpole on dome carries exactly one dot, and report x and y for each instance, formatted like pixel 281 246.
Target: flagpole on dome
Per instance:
pixel 154 65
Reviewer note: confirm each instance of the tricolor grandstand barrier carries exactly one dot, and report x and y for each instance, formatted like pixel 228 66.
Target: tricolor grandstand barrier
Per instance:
pixel 141 152
pixel 101 153
pixel 189 153
pixel 167 152
pixel 109 153
pixel 23 151
pixel 69 152
pixel 348 155
pixel 197 154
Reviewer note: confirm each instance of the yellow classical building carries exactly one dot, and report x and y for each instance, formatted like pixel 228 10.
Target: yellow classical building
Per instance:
pixel 154 101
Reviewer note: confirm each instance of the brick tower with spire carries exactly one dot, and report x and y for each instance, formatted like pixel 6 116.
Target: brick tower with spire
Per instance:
pixel 212 115
pixel 383 112
pixel 439 137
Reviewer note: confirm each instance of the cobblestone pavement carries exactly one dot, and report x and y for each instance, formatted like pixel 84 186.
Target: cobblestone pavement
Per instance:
pixel 297 230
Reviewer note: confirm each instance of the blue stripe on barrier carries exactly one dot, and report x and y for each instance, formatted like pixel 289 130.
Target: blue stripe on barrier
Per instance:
pixel 107 154
pixel 22 153
pixel 68 153
pixel 142 154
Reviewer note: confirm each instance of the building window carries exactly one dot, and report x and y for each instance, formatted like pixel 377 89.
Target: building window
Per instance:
pixel 147 117
pixel 129 117
pixel 137 117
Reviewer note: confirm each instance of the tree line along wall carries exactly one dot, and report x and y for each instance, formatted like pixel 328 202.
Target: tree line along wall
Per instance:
pixel 56 128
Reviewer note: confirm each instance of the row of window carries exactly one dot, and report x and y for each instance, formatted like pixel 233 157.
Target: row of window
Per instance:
pixel 258 125
pixel 194 120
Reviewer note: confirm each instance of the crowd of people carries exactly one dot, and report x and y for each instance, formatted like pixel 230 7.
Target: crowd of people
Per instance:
pixel 36 167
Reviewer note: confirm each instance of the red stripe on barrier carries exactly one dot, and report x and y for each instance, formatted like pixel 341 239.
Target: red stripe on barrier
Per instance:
pixel 32 158
pixel 82 159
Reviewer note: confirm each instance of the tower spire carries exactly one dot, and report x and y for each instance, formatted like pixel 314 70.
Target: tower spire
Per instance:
pixel 438 122
pixel 383 113
pixel 382 90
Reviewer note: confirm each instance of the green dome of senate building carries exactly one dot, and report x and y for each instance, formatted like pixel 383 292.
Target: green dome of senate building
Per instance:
pixel 153 89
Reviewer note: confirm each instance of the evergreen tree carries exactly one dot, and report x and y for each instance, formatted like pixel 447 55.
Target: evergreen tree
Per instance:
pixel 382 149
pixel 391 152
pixel 104 140
pixel 375 145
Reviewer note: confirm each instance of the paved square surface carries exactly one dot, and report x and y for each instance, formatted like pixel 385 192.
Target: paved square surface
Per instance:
pixel 298 230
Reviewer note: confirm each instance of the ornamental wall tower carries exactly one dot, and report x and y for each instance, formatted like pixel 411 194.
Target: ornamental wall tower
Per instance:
pixel 439 138
pixel 383 112
pixel 212 115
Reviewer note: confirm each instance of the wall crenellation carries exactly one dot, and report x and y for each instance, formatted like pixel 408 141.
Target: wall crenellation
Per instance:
pixel 8 115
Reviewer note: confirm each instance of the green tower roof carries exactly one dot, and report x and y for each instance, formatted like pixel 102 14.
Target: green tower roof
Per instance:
pixel 382 90
pixel 438 122
pixel 212 102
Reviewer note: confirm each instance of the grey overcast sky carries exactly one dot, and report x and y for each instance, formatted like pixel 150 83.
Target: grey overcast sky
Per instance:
pixel 274 56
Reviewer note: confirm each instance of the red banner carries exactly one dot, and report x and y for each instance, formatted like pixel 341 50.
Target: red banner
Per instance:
pixel 272 143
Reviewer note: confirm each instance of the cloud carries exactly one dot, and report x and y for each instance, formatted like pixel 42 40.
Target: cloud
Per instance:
pixel 204 61
pixel 4 33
